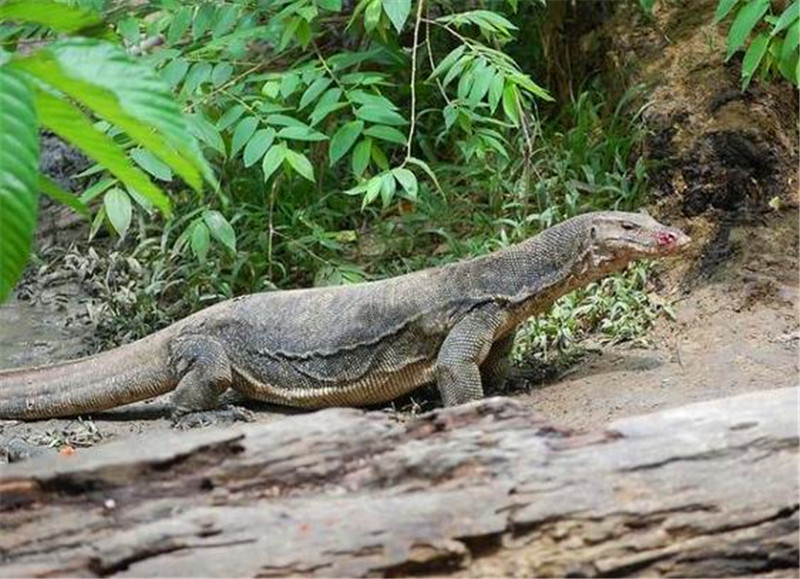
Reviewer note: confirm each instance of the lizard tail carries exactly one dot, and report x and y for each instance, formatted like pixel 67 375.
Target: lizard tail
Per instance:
pixel 126 374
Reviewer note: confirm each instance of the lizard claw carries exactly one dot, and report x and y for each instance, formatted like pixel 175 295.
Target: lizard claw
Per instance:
pixel 226 414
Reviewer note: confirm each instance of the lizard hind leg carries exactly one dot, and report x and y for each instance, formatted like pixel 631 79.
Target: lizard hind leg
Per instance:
pixel 204 371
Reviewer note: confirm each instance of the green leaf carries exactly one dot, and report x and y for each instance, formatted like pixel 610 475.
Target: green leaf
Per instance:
pixel 465 83
pixel 424 166
pixel 326 104
pixel 372 15
pixel 258 145
pixel 407 180
pixel 174 72
pixel 496 91
pixel 284 121
pixel 748 16
pixel 647 5
pixel 397 11
pixel 118 210
pixel 448 61
pixel 199 73
pixel 19 170
pixel 380 115
pixel 273 159
pixel 56 193
pixel 300 164
pixel 69 123
pixel 790 43
pixel 332 5
pixel 312 92
pixel 510 103
pixel 219 227
pixel 271 89
pixel 752 58
pixel 229 117
pixel 226 18
pixel 126 93
pixel 372 190
pixel 788 16
pixel 361 155
pixel 140 199
pixel 202 20
pixel 388 188
pixel 56 15
pixel 379 157
pixel 244 130
pixel 524 81
pixel 289 32
pixel 200 240
pixel 206 132
pixel 456 69
pixel 483 79
pixel 129 29
pixel 364 98
pixel 303 133
pixel 100 187
pixel 343 139
pixel 289 84
pixel 149 163
pixel 450 114
pixel 221 74
pixel 386 133
pixel 723 8
pixel 179 25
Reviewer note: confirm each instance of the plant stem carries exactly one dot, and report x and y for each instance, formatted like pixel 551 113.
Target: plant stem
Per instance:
pixel 429 50
pixel 413 85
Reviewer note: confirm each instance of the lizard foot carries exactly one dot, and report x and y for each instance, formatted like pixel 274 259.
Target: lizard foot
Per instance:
pixel 17 450
pixel 226 414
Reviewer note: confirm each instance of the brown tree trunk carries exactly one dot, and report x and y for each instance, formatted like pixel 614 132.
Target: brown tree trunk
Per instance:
pixel 487 489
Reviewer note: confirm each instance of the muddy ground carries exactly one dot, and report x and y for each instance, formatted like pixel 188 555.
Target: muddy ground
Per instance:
pixel 726 173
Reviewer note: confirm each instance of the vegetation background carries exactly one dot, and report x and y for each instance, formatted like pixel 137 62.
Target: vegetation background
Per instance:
pixel 248 145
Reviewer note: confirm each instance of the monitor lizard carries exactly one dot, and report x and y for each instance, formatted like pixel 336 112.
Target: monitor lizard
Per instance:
pixel 350 345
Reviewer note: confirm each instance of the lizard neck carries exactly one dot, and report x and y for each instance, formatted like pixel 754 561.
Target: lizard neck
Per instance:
pixel 523 271
pixel 531 275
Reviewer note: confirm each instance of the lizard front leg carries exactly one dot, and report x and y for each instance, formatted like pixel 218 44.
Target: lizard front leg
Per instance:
pixel 457 366
pixel 205 373
pixel 495 368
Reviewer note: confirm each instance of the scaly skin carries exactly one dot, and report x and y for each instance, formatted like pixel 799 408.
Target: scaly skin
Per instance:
pixel 350 345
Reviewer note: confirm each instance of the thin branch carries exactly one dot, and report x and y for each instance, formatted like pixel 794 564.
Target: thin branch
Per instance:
pixel 414 79
pixel 329 70
pixel 429 50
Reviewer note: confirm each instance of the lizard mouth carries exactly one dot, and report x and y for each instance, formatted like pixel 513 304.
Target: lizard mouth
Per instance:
pixel 672 240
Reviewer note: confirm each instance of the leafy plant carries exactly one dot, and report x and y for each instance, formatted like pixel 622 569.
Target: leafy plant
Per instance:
pixel 620 308
pixel 53 87
pixel 773 38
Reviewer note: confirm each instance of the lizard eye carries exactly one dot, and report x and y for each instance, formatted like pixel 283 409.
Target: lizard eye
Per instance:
pixel 628 226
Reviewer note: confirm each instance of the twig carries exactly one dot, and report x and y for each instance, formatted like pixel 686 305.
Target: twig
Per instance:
pixel 328 69
pixel 430 59
pixel 414 78
pixel 273 192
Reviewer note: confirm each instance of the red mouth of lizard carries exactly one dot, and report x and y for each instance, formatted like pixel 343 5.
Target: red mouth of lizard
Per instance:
pixel 666 239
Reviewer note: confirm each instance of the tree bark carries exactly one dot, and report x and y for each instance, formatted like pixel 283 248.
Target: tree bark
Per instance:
pixel 486 489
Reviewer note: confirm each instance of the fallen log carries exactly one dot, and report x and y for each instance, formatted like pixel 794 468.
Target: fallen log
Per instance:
pixel 487 489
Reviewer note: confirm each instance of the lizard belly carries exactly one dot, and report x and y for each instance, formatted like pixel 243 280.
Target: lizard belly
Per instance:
pixel 373 388
pixel 354 376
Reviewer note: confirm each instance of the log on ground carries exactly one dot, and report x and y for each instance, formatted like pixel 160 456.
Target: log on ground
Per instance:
pixel 486 489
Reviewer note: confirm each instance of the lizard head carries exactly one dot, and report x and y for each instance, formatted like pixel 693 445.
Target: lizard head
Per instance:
pixel 618 236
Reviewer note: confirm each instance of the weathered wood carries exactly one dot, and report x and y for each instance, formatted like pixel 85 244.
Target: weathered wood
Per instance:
pixel 486 489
